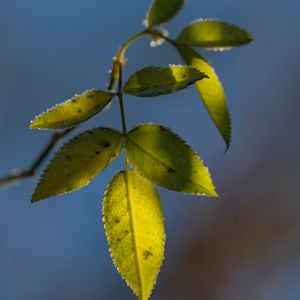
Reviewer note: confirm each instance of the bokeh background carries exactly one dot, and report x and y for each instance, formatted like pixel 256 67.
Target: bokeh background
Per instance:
pixel 245 245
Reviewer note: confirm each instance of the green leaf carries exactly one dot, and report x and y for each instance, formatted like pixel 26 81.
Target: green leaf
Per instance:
pixel 134 226
pixel 78 162
pixel 154 81
pixel 166 160
pixel 211 91
pixel 73 111
pixel 214 35
pixel 162 11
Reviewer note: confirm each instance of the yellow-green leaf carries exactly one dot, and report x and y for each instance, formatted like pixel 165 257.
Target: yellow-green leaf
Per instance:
pixel 134 226
pixel 154 81
pixel 78 162
pixel 165 159
pixel 214 35
pixel 73 111
pixel 162 11
pixel 211 91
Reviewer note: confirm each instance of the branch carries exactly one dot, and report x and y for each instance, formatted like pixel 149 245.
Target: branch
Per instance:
pixel 118 61
pixel 17 174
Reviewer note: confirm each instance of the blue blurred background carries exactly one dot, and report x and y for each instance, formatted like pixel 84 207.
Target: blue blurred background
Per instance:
pixel 245 245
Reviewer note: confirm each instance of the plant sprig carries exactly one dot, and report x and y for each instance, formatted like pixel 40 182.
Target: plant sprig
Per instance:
pixel 154 155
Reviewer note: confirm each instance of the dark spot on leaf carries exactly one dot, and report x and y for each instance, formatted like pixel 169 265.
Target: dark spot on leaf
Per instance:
pixel 97 152
pixel 90 96
pixel 161 127
pixel 68 175
pixel 171 171
pixel 118 240
pixel 79 110
pixel 116 220
pixel 68 157
pixel 73 100
pixel 146 254
pixel 106 145
pixel 90 132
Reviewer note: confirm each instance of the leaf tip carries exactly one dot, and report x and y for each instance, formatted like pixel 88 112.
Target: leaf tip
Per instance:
pixel 38 195
pixel 250 37
pixel 32 125
pixel 227 146
pixel 214 194
pixel 227 135
pixel 35 198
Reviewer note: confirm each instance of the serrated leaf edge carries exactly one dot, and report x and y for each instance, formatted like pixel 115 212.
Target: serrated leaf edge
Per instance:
pixel 228 143
pixel 55 154
pixel 215 195
pixel 65 102
pixel 202 75
pixel 111 255
pixel 221 48
pixel 200 56
pixel 145 21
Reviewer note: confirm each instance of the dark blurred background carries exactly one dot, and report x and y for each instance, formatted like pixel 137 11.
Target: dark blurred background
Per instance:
pixel 244 245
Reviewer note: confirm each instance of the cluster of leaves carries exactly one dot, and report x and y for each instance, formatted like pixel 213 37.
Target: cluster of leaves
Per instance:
pixel 132 212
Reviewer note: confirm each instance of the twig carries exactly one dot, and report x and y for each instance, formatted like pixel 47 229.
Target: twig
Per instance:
pixel 17 174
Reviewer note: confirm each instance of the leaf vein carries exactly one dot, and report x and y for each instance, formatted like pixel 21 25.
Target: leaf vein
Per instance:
pixel 134 242
pixel 167 166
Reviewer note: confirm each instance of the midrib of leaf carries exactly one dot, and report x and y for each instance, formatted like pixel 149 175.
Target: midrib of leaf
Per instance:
pixel 165 165
pixel 133 239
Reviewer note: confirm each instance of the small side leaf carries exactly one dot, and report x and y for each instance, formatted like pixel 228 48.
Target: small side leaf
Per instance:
pixel 154 81
pixel 78 162
pixel 134 227
pixel 166 160
pixel 213 35
pixel 162 11
pixel 211 91
pixel 73 111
